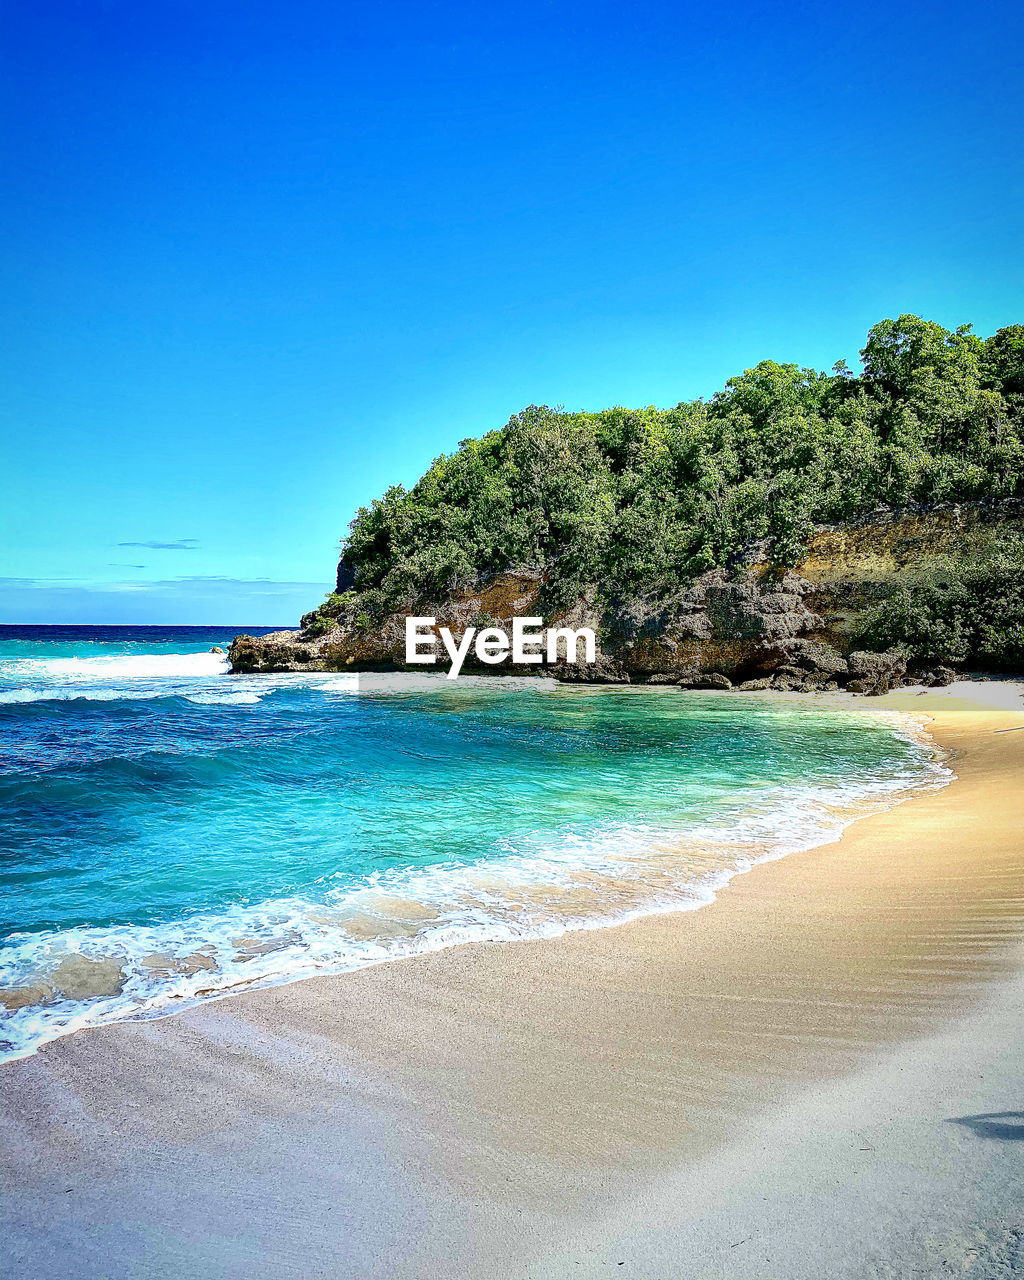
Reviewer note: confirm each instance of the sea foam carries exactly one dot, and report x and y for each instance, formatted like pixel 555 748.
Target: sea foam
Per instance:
pixel 580 881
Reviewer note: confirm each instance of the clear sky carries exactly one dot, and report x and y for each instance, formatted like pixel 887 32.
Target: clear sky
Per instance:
pixel 261 260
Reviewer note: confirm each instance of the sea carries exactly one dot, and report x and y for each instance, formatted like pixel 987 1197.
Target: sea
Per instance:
pixel 171 833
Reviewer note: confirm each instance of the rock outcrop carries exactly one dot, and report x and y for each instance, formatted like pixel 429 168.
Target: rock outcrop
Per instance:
pixel 78 977
pixel 754 628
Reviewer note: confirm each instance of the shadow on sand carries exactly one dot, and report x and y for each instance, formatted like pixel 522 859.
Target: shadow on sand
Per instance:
pixel 1006 1126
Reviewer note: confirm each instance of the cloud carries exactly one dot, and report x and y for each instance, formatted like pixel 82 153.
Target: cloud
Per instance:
pixel 125 566
pixel 180 544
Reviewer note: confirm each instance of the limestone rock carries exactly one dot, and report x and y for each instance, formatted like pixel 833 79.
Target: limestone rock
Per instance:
pixel 941 677
pixel 279 651
pixel 13 998
pixel 877 666
pixel 814 655
pixel 748 622
pixel 712 680
pixel 77 977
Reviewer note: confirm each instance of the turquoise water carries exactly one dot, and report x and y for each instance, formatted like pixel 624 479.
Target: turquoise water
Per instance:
pixel 206 830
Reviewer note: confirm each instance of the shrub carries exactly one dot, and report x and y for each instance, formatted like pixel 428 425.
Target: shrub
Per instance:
pixel 967 611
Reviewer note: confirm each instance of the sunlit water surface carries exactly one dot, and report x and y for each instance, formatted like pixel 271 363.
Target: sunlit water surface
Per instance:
pixel 198 831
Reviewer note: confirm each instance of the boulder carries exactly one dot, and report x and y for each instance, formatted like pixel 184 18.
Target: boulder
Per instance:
pixel 941 677
pixel 764 682
pixel 280 651
pixel 78 978
pixel 812 655
pixel 13 998
pixel 877 666
pixel 711 680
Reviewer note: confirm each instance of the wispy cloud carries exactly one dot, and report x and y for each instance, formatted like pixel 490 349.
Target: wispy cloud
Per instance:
pixel 179 544
pixel 115 565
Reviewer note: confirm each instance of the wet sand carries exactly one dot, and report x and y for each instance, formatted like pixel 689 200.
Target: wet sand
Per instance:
pixel 798 1067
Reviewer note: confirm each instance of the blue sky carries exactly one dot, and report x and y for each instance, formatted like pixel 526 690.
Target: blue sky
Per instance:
pixel 261 260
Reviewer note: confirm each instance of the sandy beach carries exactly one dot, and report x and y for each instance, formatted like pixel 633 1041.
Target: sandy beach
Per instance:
pixel 817 1075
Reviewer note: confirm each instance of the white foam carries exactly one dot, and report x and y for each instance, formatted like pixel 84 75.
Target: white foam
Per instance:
pixel 119 667
pixel 205 679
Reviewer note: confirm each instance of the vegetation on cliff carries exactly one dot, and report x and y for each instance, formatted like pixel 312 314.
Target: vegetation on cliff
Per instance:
pixel 638 502
pixel 967 608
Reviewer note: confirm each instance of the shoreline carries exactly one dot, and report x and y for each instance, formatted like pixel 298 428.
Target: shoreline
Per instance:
pixel 623 877
pixel 554 1086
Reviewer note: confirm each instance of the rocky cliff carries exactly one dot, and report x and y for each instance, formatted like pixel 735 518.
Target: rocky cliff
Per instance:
pixel 753 627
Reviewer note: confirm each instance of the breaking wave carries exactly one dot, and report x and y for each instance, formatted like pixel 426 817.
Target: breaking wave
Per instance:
pixel 605 878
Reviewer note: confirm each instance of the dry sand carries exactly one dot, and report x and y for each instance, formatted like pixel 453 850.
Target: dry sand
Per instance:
pixel 819 1075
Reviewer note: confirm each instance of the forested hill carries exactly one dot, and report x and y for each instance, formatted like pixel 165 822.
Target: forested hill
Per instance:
pixel 629 504
pixel 638 500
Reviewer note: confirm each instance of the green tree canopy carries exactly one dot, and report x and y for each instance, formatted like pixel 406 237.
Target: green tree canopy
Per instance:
pixel 639 501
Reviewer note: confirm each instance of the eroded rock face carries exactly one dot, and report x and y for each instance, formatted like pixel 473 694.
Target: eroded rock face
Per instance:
pixel 730 627
pixel 807 656
pixel 79 978
pixel 279 651
pixel 758 632
pixel 876 673
pixel 752 609
pixel 714 634
pixel 939 678
pixel 876 666
pixel 791 630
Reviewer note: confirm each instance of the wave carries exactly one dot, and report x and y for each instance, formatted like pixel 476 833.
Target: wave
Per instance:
pixel 573 881
pixel 109 678
pixel 205 679
pixel 118 667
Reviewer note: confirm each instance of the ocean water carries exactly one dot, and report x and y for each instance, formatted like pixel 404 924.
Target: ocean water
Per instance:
pixel 204 832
